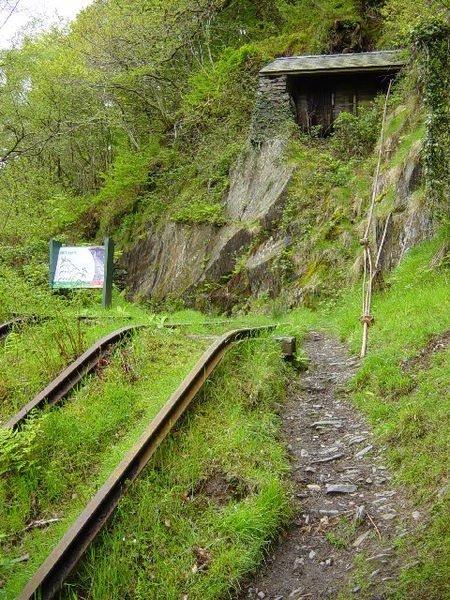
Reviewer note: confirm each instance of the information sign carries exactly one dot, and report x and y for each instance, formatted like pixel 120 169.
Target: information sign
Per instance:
pixel 82 267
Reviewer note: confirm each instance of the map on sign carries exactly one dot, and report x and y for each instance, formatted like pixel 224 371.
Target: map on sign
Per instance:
pixel 81 267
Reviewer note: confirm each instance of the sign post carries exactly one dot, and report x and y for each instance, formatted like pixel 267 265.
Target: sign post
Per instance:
pixel 82 267
pixel 108 272
pixel 53 259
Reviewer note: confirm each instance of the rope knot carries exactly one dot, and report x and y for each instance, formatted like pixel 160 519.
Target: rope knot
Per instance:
pixel 367 319
pixel 364 242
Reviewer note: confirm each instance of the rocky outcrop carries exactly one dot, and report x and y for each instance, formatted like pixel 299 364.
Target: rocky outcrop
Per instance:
pixel 409 222
pixel 182 260
pixel 208 265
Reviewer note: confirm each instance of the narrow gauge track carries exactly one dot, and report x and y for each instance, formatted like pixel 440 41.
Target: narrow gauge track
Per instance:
pixel 64 383
pixel 8 326
pixel 58 565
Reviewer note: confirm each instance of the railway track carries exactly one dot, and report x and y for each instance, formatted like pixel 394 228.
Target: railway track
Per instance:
pixel 8 326
pixel 71 376
pixel 51 575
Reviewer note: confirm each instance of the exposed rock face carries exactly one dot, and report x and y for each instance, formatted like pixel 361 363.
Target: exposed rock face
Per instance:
pixel 262 267
pixel 410 222
pixel 179 259
pixel 168 260
pixel 208 265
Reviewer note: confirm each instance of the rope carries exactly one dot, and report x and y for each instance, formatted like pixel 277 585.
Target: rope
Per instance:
pixel 369 270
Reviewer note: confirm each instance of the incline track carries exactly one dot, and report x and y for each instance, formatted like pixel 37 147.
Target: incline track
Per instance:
pixel 71 375
pixel 56 568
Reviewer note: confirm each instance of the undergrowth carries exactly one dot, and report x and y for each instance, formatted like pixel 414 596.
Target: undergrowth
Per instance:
pixel 173 533
pixel 52 466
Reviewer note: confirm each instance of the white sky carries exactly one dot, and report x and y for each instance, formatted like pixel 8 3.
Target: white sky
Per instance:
pixel 48 11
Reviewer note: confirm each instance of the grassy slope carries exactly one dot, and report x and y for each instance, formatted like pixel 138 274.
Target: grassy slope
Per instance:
pixel 408 406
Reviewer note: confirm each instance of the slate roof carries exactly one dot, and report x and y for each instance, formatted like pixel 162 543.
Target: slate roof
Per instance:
pixel 381 60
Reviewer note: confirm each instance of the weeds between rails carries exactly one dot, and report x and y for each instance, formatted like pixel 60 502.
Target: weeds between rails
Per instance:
pixel 56 463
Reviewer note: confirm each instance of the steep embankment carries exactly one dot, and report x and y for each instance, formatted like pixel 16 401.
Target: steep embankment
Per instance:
pixel 181 259
pixel 294 215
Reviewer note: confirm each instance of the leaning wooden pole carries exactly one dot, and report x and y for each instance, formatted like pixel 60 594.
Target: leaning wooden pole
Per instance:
pixel 366 318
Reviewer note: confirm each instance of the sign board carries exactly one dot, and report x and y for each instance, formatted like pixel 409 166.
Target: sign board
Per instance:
pixel 82 267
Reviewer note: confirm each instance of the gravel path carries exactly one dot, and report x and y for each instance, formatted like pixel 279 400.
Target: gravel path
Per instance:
pixel 340 543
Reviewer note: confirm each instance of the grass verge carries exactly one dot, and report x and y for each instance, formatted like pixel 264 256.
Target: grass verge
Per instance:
pixel 51 468
pixel 204 510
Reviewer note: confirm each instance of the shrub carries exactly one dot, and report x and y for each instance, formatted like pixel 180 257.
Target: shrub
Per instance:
pixel 355 135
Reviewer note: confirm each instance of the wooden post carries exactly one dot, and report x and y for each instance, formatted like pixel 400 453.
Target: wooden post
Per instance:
pixel 364 340
pixel 54 247
pixel 108 272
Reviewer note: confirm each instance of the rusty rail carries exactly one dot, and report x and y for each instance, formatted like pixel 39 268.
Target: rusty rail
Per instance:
pixel 58 389
pixel 58 565
pixel 8 326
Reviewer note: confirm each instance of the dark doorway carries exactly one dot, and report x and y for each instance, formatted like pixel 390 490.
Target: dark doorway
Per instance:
pixel 319 98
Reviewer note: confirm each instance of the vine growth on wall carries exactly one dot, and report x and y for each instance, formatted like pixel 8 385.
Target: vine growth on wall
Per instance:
pixel 432 45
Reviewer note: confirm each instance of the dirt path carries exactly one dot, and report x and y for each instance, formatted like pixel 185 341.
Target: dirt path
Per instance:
pixel 340 544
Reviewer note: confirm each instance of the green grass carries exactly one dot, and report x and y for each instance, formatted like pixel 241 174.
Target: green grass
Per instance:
pixel 409 408
pixel 223 435
pixel 52 467
pixel 31 356
pixel 230 433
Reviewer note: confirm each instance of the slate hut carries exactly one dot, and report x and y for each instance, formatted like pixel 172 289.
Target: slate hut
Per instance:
pixel 319 87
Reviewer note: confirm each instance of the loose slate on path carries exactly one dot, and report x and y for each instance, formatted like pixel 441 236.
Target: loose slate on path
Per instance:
pixel 319 416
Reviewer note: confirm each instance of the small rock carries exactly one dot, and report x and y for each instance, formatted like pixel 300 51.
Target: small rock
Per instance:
pixel 360 515
pixel 261 595
pixel 360 539
pixel 312 555
pixel 336 424
pixel 304 453
pixel 279 598
pixel 329 562
pixel 313 486
pixel 290 447
pixel 389 516
pixel 295 592
pixel 310 470
pixel 415 515
pixel 299 562
pixel 364 451
pixel 357 439
pixel 341 488
pixel 369 480
pixel 378 556
pixel 356 589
